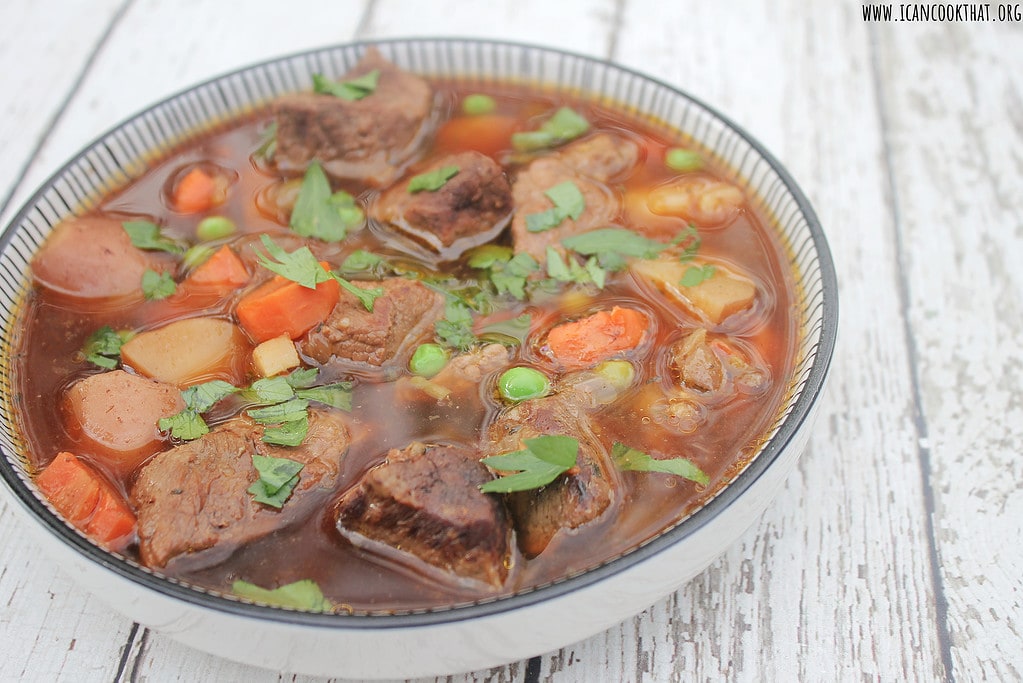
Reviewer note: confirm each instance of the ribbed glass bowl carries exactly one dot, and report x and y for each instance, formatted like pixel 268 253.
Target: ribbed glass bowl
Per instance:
pixel 466 637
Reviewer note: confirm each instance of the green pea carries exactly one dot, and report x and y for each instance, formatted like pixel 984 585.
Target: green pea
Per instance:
pixel 214 228
pixel 618 373
pixel 477 104
pixel 683 160
pixel 428 360
pixel 520 384
pixel 196 255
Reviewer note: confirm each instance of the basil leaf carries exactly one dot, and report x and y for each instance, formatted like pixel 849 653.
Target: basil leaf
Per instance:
pixel 351 90
pixel 146 235
pixel 321 214
pixel 555 449
pixel 303 595
pixel 431 181
pixel 635 460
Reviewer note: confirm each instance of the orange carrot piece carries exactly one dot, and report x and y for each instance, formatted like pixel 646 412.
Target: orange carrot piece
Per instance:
pixel 485 133
pixel 195 192
pixel 284 307
pixel 87 500
pixel 221 273
pixel 597 337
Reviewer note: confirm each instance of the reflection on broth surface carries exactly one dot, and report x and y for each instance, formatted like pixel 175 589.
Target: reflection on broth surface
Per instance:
pixel 433 344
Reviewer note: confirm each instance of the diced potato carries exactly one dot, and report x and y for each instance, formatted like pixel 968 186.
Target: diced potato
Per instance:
pixel 704 201
pixel 716 298
pixel 275 356
pixel 189 351
pixel 116 414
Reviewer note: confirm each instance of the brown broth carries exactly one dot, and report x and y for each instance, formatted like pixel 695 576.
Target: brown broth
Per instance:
pixel 55 332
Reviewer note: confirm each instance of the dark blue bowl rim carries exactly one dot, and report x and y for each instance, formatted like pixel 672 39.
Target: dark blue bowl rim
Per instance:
pixel 800 412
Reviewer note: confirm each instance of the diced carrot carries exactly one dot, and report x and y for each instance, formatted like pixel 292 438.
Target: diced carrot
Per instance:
pixel 597 337
pixel 281 306
pixel 87 500
pixel 196 191
pixel 485 133
pixel 216 277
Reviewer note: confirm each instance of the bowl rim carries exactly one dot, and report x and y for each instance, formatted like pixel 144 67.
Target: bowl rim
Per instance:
pixel 798 412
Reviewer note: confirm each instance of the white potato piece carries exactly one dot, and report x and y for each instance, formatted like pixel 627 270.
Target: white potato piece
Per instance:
pixel 275 356
pixel 707 202
pixel 715 298
pixel 189 351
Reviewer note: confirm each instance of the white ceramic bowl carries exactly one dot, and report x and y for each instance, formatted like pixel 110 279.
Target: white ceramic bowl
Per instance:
pixel 463 638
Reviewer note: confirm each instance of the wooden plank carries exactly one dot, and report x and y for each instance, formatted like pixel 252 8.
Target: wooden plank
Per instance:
pixel 953 98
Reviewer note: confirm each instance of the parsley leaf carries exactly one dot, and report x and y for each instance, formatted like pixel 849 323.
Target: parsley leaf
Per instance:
pixel 566 124
pixel 540 463
pixel 186 425
pixel 272 389
pixel 631 459
pixel 455 329
pixel 351 90
pixel 298 266
pixel 507 271
pixel 287 411
pixel 319 213
pixel 338 395
pixel 288 433
pixel 569 270
pixel 568 202
pixel 365 296
pixel 361 260
pixel 146 235
pixel 103 347
pixel 691 240
pixel 431 181
pixel 202 397
pixel 694 275
pixel 614 240
pixel 301 378
pixel 303 595
pixel 156 286
pixel 277 479
pixel 485 256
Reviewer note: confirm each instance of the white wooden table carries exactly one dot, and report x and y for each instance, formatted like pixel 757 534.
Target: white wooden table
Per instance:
pixel 895 551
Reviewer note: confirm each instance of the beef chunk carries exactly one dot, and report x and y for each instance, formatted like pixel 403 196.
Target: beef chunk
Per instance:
pixel 370 139
pixel 424 501
pixel 576 497
pixel 528 192
pixel 718 368
pixel 602 156
pixel 401 317
pixel 194 497
pixel 471 208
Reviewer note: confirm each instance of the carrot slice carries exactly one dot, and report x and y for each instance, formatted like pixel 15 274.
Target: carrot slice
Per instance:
pixel 284 307
pixel 87 500
pixel 197 191
pixel 597 337
pixel 485 133
pixel 217 276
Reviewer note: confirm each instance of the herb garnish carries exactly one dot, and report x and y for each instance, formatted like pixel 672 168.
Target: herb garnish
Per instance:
pixel 278 477
pixel 351 90
pixel 156 286
pixel 569 270
pixel 431 181
pixel 568 203
pixel 267 143
pixel 360 260
pixel 455 328
pixel 691 240
pixel 541 462
pixel 188 424
pixel 635 460
pixel 694 275
pixel 507 271
pixel 103 347
pixel 303 595
pixel 146 235
pixel 321 214
pixel 563 126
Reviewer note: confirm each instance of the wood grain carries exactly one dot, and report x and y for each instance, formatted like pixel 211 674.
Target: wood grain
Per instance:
pixel 894 551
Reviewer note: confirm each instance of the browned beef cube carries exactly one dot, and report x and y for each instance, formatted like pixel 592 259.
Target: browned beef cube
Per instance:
pixel 424 502
pixel 194 497
pixel 471 208
pixel 573 499
pixel 602 156
pixel 401 317
pixel 369 139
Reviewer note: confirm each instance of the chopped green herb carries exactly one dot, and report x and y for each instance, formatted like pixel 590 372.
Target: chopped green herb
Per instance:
pixel 156 286
pixel 489 254
pixel 267 143
pixel 477 104
pixel 298 266
pixel 431 181
pixel 631 459
pixel 365 296
pixel 277 479
pixel 272 389
pixel 511 277
pixel 146 235
pixel 290 433
pixel 361 260
pixel 288 411
pixel 694 275
pixel 103 347
pixel 186 425
pixel 202 397
pixel 540 463
pixel 302 378
pixel 691 240
pixel 568 203
pixel 569 270
pixel 563 126
pixel 455 329
pixel 337 395
pixel 351 90
pixel 683 160
pixel 613 240
pixel 303 595
pixel 321 214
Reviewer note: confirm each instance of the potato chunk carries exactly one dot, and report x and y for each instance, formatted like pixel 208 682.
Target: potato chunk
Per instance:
pixel 275 356
pixel 189 351
pixel 717 297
